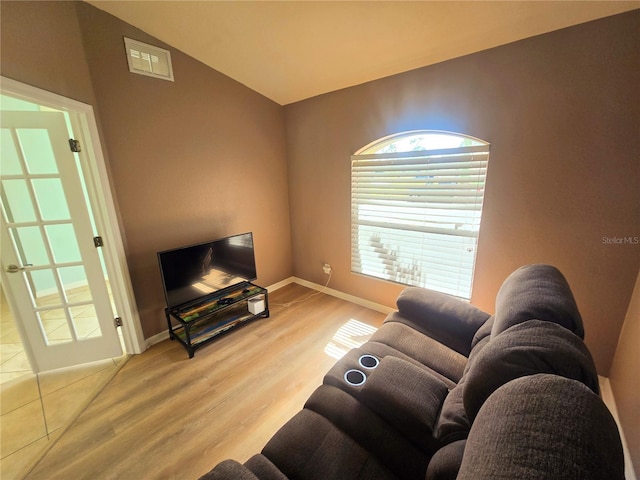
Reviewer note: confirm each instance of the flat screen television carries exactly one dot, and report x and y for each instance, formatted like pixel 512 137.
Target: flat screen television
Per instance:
pixel 195 271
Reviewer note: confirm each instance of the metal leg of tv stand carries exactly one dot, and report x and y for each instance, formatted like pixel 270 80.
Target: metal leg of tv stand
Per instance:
pixel 166 314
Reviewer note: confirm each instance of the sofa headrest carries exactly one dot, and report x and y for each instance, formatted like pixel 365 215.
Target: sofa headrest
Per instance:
pixel 525 349
pixel 536 292
pixel 543 426
pixel 448 319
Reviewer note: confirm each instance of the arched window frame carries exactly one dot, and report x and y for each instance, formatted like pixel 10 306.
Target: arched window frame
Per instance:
pixel 416 214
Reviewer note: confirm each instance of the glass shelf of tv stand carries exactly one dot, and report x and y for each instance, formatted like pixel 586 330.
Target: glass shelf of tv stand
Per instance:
pixel 200 322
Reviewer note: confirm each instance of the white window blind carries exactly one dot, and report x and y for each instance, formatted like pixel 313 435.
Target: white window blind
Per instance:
pixel 416 216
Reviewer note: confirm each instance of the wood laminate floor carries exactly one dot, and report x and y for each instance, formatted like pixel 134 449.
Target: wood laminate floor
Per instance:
pixel 165 416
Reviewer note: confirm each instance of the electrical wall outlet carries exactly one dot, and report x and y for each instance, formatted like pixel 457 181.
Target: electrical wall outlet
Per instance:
pixel 326 268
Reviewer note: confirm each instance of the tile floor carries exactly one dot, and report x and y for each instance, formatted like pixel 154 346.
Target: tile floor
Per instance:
pixel 36 409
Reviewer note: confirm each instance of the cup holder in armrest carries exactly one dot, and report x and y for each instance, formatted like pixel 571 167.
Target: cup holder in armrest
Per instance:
pixel 352 370
pixel 355 377
pixel 368 361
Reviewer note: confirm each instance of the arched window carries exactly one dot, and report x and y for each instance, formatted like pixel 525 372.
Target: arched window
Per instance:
pixel 416 205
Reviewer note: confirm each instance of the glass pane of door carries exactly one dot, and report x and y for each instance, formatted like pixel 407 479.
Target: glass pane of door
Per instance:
pixel 55 327
pixel 9 160
pixel 30 245
pixel 18 202
pixel 85 322
pixel 51 200
pixel 44 289
pixel 75 284
pixel 36 148
pixel 63 243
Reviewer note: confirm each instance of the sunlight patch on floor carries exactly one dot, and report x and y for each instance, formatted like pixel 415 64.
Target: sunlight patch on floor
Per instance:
pixel 350 335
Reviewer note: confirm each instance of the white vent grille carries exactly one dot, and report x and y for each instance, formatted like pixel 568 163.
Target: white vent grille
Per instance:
pixel 145 59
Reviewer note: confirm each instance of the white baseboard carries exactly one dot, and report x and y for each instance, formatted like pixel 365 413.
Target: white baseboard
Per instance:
pixel 607 397
pixel 345 296
pixel 157 338
pixel 279 285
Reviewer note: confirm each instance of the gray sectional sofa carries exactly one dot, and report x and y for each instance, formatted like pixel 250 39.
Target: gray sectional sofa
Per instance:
pixel 445 391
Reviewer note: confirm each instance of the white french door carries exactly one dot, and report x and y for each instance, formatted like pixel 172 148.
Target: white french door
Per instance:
pixel 50 266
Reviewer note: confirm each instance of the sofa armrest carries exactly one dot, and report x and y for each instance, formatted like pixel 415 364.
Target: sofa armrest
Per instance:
pixel 406 396
pixel 444 318
pixel 229 470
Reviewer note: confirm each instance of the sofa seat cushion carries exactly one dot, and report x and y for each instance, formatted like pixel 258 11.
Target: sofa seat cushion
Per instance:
pixel 262 468
pixel 453 423
pixel 526 349
pixel 229 469
pixel 445 464
pixel 543 427
pixel 447 319
pixel 536 292
pixel 310 447
pixel 422 348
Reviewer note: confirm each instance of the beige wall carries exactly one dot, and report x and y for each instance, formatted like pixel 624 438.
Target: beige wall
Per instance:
pixel 625 377
pixel 42 46
pixel 562 114
pixel 190 160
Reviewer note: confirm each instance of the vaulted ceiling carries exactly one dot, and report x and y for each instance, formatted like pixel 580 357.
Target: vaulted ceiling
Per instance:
pixel 293 50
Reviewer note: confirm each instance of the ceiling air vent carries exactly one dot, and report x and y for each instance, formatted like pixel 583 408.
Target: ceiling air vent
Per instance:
pixel 148 60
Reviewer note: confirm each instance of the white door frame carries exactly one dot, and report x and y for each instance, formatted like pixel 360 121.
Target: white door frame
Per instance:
pixel 102 202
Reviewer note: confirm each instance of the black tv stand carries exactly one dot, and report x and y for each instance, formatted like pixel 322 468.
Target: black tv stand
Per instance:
pixel 197 323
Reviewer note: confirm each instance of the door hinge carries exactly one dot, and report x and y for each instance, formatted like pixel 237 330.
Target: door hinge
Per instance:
pixel 75 145
pixel 97 242
pixel 117 321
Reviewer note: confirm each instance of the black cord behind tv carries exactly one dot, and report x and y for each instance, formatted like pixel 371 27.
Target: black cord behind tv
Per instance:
pixel 191 273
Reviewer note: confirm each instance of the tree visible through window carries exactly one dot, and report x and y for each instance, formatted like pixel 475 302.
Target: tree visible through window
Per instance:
pixel 416 205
